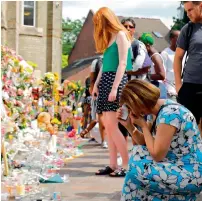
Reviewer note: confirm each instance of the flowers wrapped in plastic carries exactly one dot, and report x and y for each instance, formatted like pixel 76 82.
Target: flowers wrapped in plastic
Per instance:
pixel 17 79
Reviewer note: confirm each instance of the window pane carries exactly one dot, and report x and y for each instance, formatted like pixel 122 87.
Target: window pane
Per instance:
pixel 29 13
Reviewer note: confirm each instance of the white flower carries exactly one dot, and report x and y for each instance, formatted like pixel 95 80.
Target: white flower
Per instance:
pixel 175 122
pixel 184 183
pixel 181 140
pixel 128 197
pixel 161 185
pixel 172 179
pixel 197 174
pixel 137 158
pixel 133 186
pixel 127 189
pixel 138 170
pixel 173 144
pixel 157 178
pixel 173 186
pixel 163 175
pixel 149 158
pixel 199 180
pixel 176 169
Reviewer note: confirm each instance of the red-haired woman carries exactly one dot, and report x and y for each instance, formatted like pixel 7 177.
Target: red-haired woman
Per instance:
pixel 114 41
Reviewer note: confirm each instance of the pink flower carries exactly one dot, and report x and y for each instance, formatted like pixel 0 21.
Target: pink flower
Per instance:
pixel 3 132
pixel 20 58
pixel 4 78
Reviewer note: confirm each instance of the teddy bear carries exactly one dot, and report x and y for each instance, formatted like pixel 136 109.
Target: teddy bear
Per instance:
pixel 44 122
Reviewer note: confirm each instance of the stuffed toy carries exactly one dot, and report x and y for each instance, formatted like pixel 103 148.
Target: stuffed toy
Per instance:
pixel 44 122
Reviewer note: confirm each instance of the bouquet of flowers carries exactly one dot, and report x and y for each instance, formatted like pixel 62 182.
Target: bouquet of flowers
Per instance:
pixel 76 89
pixel 17 79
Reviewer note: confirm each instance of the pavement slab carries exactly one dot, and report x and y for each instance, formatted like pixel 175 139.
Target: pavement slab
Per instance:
pixel 84 184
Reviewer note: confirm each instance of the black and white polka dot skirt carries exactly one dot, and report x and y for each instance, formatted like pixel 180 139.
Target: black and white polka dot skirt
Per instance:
pixel 105 86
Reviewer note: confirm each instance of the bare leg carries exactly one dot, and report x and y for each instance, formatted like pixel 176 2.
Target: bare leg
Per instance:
pixel 112 147
pixel 101 127
pixel 89 128
pixel 115 139
pixel 85 114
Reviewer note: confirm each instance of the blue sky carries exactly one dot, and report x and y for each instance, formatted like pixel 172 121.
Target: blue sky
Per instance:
pixel 162 9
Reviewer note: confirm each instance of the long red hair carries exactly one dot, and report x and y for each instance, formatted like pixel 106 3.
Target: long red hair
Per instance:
pixel 106 23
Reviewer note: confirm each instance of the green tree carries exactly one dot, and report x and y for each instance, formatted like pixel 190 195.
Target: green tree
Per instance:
pixel 71 30
pixel 64 60
pixel 179 23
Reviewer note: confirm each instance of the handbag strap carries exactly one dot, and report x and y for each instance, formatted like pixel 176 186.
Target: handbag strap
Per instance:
pixel 163 106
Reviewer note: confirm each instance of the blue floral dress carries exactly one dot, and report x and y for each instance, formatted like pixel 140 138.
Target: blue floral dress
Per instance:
pixel 179 176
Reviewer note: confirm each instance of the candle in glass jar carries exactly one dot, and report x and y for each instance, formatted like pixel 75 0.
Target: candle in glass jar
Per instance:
pixel 20 189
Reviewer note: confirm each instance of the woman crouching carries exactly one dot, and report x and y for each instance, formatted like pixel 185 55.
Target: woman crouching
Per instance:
pixel 166 163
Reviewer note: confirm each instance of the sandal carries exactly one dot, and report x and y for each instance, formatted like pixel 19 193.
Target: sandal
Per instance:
pixel 118 173
pixel 83 133
pixel 105 171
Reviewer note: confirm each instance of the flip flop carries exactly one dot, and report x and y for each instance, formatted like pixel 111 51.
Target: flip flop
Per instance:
pixel 105 171
pixel 118 173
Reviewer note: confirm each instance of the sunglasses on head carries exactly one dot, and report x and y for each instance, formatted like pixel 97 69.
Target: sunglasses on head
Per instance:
pixel 131 27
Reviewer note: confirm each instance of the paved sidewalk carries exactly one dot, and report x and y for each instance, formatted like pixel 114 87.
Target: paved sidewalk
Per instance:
pixel 84 185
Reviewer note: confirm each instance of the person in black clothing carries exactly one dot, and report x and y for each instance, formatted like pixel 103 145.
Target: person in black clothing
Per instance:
pixel 86 103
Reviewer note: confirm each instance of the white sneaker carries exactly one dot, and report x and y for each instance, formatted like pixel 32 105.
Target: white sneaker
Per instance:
pixel 104 145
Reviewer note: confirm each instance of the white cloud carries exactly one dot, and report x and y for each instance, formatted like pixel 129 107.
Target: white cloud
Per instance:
pixel 164 10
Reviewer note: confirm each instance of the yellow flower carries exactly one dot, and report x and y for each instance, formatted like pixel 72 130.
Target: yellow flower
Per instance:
pixel 10 137
pixel 70 84
pixel 63 103
pixel 55 121
pixel 50 75
pixel 21 69
pixel 56 76
pixel 75 112
pixel 41 109
pixel 74 86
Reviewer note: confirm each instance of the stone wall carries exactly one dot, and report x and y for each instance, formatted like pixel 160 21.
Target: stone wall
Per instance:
pixel 40 44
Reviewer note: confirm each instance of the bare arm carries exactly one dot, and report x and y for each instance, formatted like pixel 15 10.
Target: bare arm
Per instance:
pixel 123 45
pixel 179 54
pixel 136 135
pixel 140 71
pixel 159 68
pixel 158 147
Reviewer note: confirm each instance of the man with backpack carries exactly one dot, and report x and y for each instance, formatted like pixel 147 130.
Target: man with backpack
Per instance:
pixel 190 41
pixel 140 59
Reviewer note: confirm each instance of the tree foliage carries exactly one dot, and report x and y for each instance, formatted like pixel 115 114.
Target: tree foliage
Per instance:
pixel 64 61
pixel 179 23
pixel 71 30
